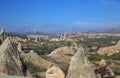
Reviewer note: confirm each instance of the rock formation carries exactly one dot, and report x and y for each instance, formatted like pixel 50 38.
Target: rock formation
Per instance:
pixel 55 72
pixel 118 43
pixel 2 35
pixel 34 59
pixel 63 50
pixel 62 56
pixel 109 50
pixel 36 39
pixel 10 63
pixel 104 71
pixel 80 67
pixel 19 47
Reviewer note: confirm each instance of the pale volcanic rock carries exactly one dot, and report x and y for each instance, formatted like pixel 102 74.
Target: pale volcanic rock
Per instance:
pixel 109 50
pixel 80 67
pixel 54 72
pixel 62 56
pixel 102 63
pixel 10 63
pixel 19 47
pixel 103 70
pixel 34 58
pixel 63 50
pixel 2 35
pixel 118 43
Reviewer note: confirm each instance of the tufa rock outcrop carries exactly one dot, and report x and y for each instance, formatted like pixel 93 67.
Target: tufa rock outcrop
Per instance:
pixel 38 63
pixel 10 63
pixel 2 35
pixel 19 47
pixel 109 50
pixel 63 50
pixel 104 70
pixel 55 72
pixel 80 67
pixel 62 56
pixel 34 58
pixel 118 43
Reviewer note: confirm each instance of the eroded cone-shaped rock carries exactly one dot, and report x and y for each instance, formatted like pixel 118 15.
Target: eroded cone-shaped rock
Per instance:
pixel 10 63
pixel 19 47
pixel 102 63
pixel 80 67
pixel 118 44
pixel 54 72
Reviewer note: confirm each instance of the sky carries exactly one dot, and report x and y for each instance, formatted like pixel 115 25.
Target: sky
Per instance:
pixel 57 16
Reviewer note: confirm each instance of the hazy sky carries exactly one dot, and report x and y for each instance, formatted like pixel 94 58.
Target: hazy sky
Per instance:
pixel 59 15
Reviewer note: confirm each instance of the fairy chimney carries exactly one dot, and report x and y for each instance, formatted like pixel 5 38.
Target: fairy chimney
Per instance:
pixel 2 35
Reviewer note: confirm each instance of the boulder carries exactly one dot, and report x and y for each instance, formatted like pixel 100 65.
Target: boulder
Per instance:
pixel 63 50
pixel 104 70
pixel 62 56
pixel 35 64
pixel 54 72
pixel 10 63
pixel 80 66
pixel 34 58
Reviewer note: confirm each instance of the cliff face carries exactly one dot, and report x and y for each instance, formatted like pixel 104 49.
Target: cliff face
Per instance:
pixel 80 67
pixel 10 63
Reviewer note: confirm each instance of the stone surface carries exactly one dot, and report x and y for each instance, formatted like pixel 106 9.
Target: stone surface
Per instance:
pixel 63 50
pixel 118 43
pixel 109 50
pixel 2 35
pixel 10 63
pixel 80 67
pixel 62 57
pixel 104 70
pixel 34 58
pixel 19 47
pixel 54 72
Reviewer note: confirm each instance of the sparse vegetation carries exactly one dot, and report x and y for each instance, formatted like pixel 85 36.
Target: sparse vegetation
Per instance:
pixel 97 57
pixel 33 68
pixel 45 49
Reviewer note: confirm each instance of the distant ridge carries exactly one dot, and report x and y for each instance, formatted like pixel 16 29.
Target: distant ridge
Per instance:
pixel 29 33
pixel 114 30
